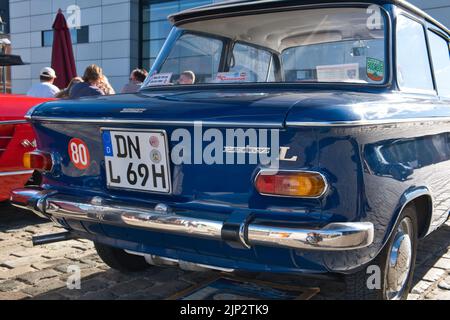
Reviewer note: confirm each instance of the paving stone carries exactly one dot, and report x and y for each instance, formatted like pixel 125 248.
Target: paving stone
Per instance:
pixel 51 296
pixel 126 288
pixel 61 253
pixel 421 287
pixel 443 263
pixel 99 295
pixel 63 268
pixel 413 296
pixel 12 273
pixel 168 289
pixel 444 285
pixel 19 262
pixel 197 277
pixel 168 274
pixel 13 296
pixel 26 252
pixel 44 286
pixel 93 285
pixel 10 285
pixel 441 295
pixel 54 263
pixel 9 243
pixel 36 276
pixel 434 274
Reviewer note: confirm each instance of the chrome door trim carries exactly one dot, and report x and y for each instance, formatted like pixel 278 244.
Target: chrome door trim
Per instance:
pixel 15 173
pixel 162 122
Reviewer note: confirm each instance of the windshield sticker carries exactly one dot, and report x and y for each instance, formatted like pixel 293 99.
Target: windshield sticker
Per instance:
pixel 159 79
pixel 338 72
pixel 231 77
pixel 375 69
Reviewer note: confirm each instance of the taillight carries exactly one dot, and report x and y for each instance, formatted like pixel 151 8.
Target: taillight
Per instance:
pixel 38 160
pixel 303 184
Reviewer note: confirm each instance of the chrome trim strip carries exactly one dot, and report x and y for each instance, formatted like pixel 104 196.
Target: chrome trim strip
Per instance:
pixel 6 122
pixel 15 173
pixel 333 237
pixel 354 123
pixel 163 122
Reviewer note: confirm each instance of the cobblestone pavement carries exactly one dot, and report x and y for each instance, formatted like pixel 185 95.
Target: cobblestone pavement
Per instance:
pixel 28 272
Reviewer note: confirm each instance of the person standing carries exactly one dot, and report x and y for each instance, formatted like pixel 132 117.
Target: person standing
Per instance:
pixel 46 88
pixel 93 75
pixel 137 78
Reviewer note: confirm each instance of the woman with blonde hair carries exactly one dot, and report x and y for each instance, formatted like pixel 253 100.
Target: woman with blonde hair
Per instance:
pixel 92 79
pixel 105 86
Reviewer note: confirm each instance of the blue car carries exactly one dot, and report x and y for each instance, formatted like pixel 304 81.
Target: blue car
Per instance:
pixel 300 137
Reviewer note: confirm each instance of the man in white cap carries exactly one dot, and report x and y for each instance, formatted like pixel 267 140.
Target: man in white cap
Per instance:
pixel 46 88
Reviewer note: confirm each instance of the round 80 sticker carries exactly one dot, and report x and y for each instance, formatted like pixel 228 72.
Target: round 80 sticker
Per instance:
pixel 79 154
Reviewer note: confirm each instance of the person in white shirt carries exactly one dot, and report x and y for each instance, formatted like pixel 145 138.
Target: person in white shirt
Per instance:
pixel 46 88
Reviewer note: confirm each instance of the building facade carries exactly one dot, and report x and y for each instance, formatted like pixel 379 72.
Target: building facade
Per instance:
pixel 5 72
pixel 118 35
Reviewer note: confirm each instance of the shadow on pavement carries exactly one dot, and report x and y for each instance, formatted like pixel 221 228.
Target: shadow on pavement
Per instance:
pixel 430 250
pixel 12 218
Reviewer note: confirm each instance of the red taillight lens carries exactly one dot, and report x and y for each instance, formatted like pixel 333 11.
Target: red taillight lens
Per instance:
pixel 291 184
pixel 38 160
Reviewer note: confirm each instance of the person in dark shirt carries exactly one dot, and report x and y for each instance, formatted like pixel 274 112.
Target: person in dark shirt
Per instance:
pixel 137 78
pixel 92 76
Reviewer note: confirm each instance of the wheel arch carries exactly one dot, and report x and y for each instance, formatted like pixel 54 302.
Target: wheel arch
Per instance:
pixel 422 199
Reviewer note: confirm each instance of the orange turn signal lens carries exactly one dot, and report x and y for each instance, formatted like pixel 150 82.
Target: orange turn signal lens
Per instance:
pixel 291 184
pixel 38 160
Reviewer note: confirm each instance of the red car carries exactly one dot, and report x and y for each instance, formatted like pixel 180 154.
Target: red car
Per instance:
pixel 16 138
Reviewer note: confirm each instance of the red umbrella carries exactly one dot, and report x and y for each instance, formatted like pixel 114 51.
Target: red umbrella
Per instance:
pixel 63 61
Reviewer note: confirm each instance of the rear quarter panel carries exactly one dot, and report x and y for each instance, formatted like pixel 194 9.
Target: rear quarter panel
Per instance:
pixel 13 125
pixel 376 155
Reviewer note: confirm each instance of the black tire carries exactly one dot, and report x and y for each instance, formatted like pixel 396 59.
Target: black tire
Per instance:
pixel 356 284
pixel 120 260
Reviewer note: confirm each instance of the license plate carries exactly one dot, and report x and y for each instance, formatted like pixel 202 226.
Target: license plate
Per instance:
pixel 137 160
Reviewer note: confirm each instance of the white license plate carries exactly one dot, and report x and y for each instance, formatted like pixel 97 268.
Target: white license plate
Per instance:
pixel 137 160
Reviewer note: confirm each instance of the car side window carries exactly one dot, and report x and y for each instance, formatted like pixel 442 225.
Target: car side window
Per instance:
pixel 257 63
pixel 441 63
pixel 413 63
pixel 195 54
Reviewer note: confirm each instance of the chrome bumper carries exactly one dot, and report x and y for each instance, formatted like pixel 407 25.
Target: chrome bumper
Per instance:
pixel 333 237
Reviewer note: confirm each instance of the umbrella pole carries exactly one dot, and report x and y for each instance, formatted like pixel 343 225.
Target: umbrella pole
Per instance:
pixel 4 79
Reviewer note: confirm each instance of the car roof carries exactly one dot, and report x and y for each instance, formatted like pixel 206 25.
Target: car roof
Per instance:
pixel 239 6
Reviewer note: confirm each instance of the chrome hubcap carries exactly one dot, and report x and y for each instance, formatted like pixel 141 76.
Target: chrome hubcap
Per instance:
pixel 400 260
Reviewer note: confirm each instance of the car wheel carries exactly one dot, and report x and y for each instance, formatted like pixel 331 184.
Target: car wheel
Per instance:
pixel 396 264
pixel 120 260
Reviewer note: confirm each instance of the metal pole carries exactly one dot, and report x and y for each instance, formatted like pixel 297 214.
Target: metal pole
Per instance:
pixel 4 79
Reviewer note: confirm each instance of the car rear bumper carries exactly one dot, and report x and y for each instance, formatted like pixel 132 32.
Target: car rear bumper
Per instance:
pixel 248 233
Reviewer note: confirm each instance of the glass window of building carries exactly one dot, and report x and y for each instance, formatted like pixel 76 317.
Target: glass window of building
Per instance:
pixel 156 27
pixel 4 16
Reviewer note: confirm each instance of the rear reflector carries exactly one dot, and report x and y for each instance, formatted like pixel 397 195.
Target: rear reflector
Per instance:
pixel 38 160
pixel 291 184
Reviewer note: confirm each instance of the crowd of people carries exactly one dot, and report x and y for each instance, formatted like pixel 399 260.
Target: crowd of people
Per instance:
pixel 93 83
